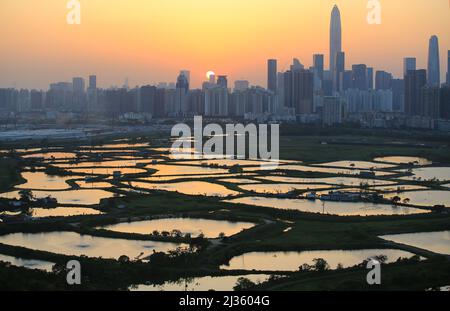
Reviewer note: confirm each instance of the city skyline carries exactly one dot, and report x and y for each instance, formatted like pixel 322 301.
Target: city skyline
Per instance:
pixel 34 58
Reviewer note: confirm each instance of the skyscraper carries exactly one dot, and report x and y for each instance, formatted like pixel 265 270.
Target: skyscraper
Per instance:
pixel 187 74
pixel 409 63
pixel 434 75
pixel 78 85
pixel 359 77
pixel 222 81
pixel 272 75
pixel 335 38
pixel 92 82
pixel 339 72
pixel 415 80
pixel 369 78
pixel 318 71
pixel 383 80
pixel 448 67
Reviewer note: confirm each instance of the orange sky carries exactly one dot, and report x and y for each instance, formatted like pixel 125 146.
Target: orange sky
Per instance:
pixel 149 41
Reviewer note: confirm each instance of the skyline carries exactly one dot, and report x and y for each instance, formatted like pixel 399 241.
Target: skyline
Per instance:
pixel 28 60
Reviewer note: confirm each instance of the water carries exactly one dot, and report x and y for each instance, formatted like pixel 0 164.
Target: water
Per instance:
pixel 282 188
pixel 40 180
pixel 71 243
pixel 209 228
pixel 106 171
pixel 357 164
pixel 425 197
pixel 438 242
pixel 429 173
pixel 239 181
pixel 219 283
pixel 189 188
pixel 52 155
pixel 28 263
pixel 339 181
pixel 63 212
pixel 333 208
pixel 167 169
pixel 80 196
pixel 404 160
pixel 291 261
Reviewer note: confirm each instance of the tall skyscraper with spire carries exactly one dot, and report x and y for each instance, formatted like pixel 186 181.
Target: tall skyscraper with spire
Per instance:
pixel 434 75
pixel 335 43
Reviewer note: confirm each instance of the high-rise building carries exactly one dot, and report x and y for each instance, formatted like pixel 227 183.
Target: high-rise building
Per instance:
pixel 241 85
pixel 398 95
pixel 92 82
pixel 434 75
pixel 448 67
pixel 339 72
pixel 318 71
pixel 335 38
pixel 182 82
pixel 78 85
pixel 429 102
pixel 415 80
pixel 383 80
pixel 298 91
pixel 222 81
pixel 187 74
pixel 444 106
pixel 359 77
pixel 333 110
pixel 272 75
pixel 369 78
pixel 409 63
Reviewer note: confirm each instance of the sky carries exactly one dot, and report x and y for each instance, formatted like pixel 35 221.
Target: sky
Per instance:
pixel 149 41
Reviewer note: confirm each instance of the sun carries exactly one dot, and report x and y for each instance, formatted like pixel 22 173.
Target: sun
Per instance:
pixel 209 74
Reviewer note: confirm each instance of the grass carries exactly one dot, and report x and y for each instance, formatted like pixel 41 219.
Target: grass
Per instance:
pixel 9 174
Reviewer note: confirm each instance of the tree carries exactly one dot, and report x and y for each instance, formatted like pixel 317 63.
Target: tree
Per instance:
pixel 26 195
pixel 320 264
pixel 243 284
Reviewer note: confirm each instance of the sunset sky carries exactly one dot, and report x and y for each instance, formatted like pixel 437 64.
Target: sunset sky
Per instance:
pixel 149 41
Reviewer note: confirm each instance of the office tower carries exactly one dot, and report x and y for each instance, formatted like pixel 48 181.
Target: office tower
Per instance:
pixel 359 77
pixel 335 38
pixel 222 81
pixel 409 63
pixel 241 85
pixel 369 78
pixel 434 75
pixel 415 80
pixel 272 75
pixel 398 95
pixel 78 85
pixel 187 74
pixel 181 98
pixel 346 80
pixel 338 72
pixel 429 102
pixel 444 105
pixel 298 91
pixel 318 71
pixel 448 67
pixel 383 80
pixel 92 82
